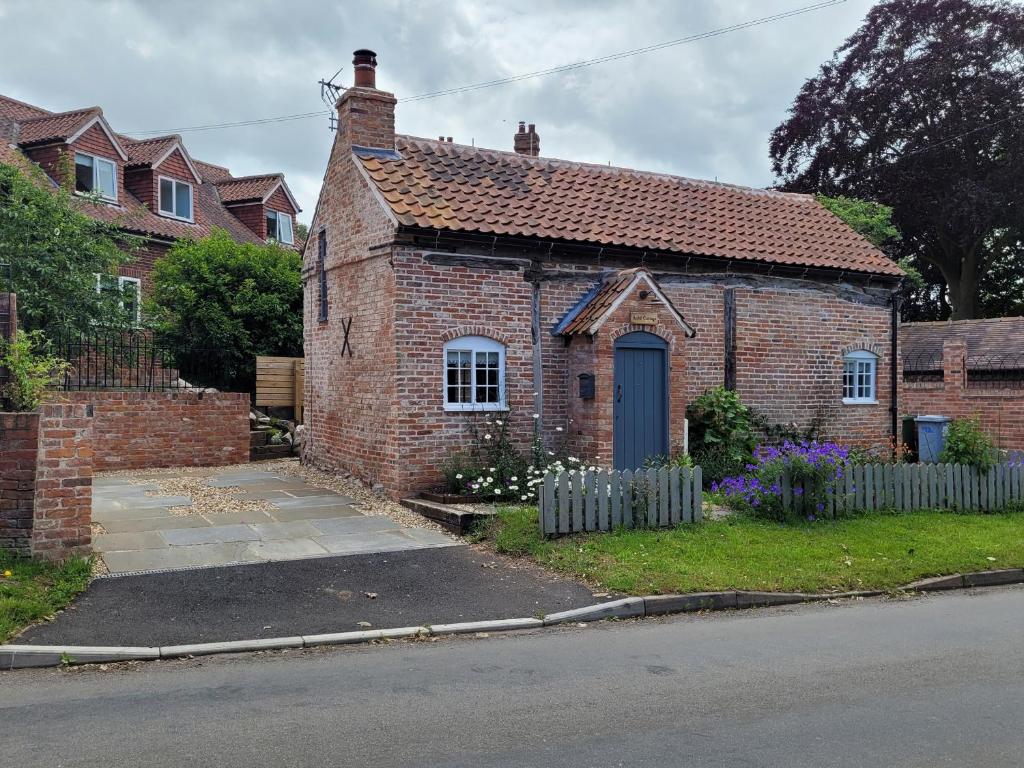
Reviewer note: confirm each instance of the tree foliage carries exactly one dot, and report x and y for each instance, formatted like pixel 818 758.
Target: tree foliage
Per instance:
pixel 55 253
pixel 217 304
pixel 922 109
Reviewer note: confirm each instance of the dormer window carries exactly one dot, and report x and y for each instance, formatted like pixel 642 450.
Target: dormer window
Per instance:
pixel 279 227
pixel 95 175
pixel 175 199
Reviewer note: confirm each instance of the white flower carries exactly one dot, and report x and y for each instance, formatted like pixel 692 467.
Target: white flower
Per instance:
pixel 487 437
pixel 558 429
pixel 480 479
pixel 513 487
pixel 536 415
pixel 573 459
pixel 491 469
pixel 513 478
pixel 551 453
pixel 498 422
pixel 490 479
pixel 458 477
pixel 475 486
pixel 523 497
pixel 497 490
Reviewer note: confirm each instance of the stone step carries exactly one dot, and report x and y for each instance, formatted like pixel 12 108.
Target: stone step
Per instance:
pixel 266 452
pixel 456 520
pixel 258 437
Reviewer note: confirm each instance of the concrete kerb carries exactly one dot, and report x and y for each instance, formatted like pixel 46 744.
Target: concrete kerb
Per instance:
pixel 23 656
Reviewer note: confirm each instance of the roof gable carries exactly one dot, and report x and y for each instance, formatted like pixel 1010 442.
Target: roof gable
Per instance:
pixel 251 189
pixel 445 186
pixel 607 296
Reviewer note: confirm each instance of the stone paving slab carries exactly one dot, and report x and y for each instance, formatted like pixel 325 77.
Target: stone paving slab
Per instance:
pixel 215 534
pixel 141 533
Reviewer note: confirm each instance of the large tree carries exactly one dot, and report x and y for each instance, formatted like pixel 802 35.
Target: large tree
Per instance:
pixel 54 253
pixel 217 303
pixel 922 109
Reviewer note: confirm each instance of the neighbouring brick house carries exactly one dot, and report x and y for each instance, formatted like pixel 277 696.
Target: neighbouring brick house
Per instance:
pixel 443 281
pixel 967 369
pixel 151 188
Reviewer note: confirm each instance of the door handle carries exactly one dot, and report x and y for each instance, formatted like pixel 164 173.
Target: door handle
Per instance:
pixel 618 393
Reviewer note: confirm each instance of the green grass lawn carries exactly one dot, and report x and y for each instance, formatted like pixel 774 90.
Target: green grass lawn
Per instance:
pixel 35 590
pixel 873 551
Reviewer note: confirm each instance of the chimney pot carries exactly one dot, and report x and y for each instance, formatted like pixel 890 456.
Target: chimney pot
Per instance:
pixel 449 139
pixel 526 141
pixel 364 62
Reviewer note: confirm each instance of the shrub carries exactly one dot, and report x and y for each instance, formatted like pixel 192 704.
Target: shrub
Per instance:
pixel 31 369
pixel 812 468
pixel 721 435
pixel 966 443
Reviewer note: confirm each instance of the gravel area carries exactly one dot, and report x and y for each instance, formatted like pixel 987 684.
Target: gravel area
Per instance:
pixel 206 500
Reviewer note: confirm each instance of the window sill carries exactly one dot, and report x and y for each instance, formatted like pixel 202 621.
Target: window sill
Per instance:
pixel 474 407
pixel 851 401
pixel 182 219
pixel 95 198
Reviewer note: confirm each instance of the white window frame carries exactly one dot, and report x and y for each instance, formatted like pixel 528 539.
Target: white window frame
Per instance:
pixel 96 160
pixel 475 345
pixel 121 282
pixel 291 225
pixel 175 183
pixel 856 364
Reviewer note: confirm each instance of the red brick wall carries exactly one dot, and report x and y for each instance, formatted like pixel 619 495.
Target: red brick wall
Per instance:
pixel 279 202
pixel 999 411
pixel 141 182
pixel 142 430
pixel 350 409
pixel 253 216
pixel 19 447
pixel 63 503
pixel 141 264
pixel 46 481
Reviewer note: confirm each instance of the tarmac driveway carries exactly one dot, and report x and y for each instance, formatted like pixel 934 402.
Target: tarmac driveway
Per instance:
pixel 233 517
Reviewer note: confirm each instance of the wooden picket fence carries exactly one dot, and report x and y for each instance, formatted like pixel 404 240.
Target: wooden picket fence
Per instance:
pixel 603 500
pixel 908 487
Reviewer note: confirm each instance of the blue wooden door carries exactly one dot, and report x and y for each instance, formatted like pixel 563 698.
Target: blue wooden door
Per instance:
pixel 640 399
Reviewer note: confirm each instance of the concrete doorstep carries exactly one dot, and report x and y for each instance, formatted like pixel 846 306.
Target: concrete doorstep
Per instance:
pixel 23 656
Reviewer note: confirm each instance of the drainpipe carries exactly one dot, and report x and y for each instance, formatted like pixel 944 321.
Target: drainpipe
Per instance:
pixel 538 360
pixel 894 331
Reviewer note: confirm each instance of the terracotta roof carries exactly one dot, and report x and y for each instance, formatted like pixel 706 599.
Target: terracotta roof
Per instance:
pixel 58 125
pixel 145 151
pixel 19 110
pixel 211 172
pixel 441 185
pixel 589 312
pixel 243 188
pixel 987 338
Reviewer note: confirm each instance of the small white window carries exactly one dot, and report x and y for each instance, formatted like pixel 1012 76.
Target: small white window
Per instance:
pixel 128 288
pixel 95 175
pixel 474 370
pixel 175 199
pixel 279 227
pixel 859 374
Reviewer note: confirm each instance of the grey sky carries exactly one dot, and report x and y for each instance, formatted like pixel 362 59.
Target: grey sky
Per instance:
pixel 704 109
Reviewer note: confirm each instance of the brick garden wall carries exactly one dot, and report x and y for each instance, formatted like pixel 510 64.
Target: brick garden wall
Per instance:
pixel 46 481
pixel 142 430
pixel 999 411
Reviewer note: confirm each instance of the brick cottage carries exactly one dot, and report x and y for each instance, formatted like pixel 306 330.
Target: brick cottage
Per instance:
pixel 445 283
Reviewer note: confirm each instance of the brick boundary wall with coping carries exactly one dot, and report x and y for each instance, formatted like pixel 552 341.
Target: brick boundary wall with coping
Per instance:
pixel 999 411
pixel 46 481
pixel 149 430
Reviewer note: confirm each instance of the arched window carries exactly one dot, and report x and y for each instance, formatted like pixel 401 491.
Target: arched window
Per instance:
pixel 860 370
pixel 474 374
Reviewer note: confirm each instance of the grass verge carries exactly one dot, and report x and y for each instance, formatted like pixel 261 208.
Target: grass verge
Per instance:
pixel 36 590
pixel 873 551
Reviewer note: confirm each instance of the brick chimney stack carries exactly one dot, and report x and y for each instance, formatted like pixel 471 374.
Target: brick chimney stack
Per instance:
pixel 527 141
pixel 366 116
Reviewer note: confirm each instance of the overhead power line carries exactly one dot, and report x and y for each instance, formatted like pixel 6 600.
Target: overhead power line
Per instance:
pixel 526 75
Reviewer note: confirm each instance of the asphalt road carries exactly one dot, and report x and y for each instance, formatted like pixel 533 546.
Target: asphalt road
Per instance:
pixel 935 681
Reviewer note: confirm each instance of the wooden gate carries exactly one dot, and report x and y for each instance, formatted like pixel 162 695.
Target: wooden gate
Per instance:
pixel 279 382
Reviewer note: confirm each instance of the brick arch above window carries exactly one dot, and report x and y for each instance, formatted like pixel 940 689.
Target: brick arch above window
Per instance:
pixel 476 330
pixel 661 331
pixel 865 345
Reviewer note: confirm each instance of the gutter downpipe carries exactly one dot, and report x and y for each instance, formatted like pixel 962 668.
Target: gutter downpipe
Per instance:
pixel 894 329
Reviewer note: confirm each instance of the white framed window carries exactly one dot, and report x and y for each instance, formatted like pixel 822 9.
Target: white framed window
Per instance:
pixel 474 374
pixel 175 199
pixel 279 227
pixel 860 371
pixel 95 175
pixel 128 289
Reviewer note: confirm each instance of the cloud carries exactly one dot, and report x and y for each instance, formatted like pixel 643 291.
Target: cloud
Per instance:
pixel 703 109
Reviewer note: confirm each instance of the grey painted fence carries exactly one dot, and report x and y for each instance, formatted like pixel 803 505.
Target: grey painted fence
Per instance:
pixel 907 487
pixel 571 502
